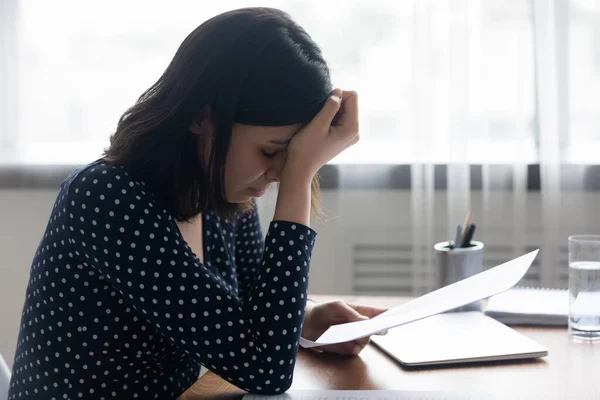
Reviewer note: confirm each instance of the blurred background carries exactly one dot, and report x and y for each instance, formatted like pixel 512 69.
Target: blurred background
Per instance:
pixel 488 106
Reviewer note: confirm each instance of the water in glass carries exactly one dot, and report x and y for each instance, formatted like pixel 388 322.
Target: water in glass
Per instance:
pixel 584 299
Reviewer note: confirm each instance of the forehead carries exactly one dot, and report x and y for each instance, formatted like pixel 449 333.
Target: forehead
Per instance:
pixel 265 133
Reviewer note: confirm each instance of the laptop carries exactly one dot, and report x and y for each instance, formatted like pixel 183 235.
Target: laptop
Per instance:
pixel 456 337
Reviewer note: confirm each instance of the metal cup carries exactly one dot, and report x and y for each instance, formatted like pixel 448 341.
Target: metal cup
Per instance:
pixel 453 265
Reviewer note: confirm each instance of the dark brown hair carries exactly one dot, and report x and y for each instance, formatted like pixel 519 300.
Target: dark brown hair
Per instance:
pixel 253 66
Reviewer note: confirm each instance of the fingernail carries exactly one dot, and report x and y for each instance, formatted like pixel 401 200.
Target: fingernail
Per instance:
pixel 336 94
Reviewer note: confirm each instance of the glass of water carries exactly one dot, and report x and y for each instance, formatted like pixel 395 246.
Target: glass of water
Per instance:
pixel 584 287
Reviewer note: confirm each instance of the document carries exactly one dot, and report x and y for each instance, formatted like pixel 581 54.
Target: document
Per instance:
pixel 370 395
pixel 530 306
pixel 485 284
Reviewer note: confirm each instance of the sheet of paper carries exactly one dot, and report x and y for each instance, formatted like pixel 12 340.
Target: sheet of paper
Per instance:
pixel 371 395
pixel 530 306
pixel 477 287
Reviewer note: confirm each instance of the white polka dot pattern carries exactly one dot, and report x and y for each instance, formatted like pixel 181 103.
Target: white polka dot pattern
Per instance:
pixel 118 305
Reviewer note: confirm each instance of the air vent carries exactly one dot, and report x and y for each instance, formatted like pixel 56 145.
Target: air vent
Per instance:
pixel 395 269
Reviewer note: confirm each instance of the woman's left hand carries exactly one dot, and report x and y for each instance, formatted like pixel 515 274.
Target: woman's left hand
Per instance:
pixel 319 317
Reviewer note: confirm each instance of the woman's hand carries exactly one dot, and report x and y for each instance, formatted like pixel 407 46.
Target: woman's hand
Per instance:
pixel 311 148
pixel 330 132
pixel 319 317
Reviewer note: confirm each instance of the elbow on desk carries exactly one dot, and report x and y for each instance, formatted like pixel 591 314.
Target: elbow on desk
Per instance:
pixel 265 370
pixel 276 383
pixel 270 389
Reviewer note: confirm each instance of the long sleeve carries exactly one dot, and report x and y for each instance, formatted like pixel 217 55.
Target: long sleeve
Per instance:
pixel 118 228
pixel 249 247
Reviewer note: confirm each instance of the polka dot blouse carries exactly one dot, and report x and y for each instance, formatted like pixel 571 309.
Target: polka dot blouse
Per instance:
pixel 118 305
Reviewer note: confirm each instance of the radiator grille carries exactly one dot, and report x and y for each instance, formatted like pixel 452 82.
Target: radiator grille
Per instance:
pixel 396 269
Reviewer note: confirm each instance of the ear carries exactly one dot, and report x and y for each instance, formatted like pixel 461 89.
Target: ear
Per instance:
pixel 201 125
pixel 196 127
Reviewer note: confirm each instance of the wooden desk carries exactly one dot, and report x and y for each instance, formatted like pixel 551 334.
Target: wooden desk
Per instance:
pixel 570 371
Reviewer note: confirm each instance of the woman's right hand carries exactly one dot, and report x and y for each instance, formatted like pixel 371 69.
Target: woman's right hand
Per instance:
pixel 320 141
pixel 311 148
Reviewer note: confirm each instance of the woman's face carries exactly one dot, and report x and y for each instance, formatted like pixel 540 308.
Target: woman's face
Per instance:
pixel 255 158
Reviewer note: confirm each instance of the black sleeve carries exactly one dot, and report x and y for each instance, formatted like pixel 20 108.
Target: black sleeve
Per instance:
pixel 120 229
pixel 249 249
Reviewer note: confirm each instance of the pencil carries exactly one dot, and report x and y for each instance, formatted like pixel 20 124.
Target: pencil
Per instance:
pixel 466 225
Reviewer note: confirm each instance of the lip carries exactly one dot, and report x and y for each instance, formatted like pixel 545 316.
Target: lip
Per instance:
pixel 257 192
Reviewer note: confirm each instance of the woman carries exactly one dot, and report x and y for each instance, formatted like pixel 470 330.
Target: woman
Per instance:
pixel 153 261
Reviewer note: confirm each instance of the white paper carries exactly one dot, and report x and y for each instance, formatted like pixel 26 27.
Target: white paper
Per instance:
pixel 530 306
pixel 476 287
pixel 371 395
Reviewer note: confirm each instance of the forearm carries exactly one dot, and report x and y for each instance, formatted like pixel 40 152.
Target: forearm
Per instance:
pixel 294 197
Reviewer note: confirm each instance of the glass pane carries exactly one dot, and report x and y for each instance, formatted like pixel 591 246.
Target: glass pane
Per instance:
pixel 584 81
pixel 81 64
pixel 483 74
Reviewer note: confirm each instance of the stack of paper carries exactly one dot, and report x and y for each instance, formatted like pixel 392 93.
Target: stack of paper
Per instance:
pixel 530 306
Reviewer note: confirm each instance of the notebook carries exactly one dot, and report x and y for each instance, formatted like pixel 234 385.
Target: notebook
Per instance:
pixel 530 306
pixel 457 337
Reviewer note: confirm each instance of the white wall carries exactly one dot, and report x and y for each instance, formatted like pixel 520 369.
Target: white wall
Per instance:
pixel 23 218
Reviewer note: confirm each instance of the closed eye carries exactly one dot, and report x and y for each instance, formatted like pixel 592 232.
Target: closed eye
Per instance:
pixel 269 155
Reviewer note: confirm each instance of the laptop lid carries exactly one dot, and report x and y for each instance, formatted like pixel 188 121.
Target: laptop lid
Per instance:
pixel 455 337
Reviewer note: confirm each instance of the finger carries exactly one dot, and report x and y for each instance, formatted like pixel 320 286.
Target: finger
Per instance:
pixel 352 315
pixel 330 108
pixel 350 348
pixel 359 345
pixel 341 312
pixel 343 349
pixel 382 333
pixel 363 341
pixel 368 310
pixel 348 113
pixel 346 348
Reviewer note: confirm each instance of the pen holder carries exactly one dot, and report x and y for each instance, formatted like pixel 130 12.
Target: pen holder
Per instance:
pixel 453 265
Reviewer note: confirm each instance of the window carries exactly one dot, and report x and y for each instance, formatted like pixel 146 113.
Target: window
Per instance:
pixel 584 81
pixel 455 78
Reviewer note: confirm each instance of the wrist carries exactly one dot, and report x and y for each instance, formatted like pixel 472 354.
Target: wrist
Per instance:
pixel 306 327
pixel 294 195
pixel 295 171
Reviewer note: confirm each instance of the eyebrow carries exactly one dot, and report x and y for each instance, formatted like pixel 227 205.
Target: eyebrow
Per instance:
pixel 281 142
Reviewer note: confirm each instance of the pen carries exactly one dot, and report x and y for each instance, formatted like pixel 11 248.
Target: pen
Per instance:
pixel 457 241
pixel 468 236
